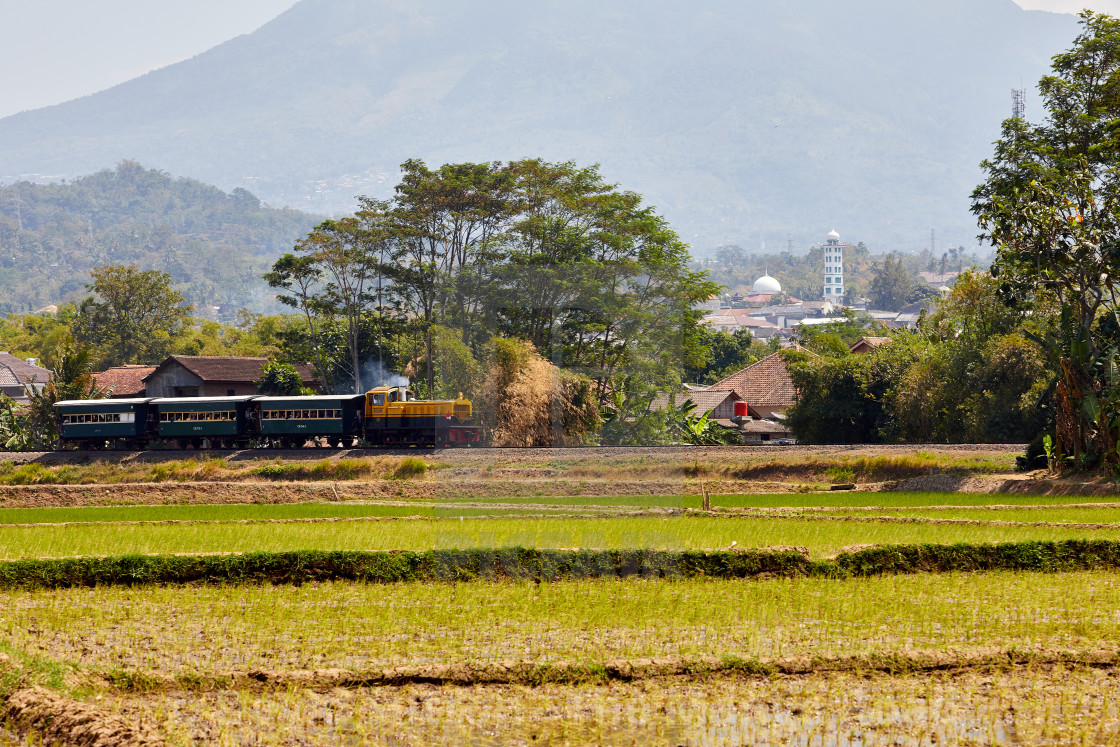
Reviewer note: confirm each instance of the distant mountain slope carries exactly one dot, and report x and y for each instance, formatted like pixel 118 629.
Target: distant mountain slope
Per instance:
pixel 215 245
pixel 735 117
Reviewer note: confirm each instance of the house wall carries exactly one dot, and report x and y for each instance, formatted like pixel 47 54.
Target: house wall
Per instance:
pixel 724 411
pixel 174 381
pixel 228 388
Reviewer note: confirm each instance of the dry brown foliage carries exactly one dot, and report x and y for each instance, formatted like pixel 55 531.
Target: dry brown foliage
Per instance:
pixel 528 401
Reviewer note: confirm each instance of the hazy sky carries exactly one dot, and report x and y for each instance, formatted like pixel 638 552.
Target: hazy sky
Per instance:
pixel 55 50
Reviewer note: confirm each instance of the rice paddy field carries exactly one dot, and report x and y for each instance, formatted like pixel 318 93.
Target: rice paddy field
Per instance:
pixel 985 657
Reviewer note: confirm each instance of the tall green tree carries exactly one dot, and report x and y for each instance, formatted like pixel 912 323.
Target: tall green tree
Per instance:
pixel 133 317
pixel 892 286
pixel 347 252
pixel 549 253
pixel 300 278
pixel 1050 204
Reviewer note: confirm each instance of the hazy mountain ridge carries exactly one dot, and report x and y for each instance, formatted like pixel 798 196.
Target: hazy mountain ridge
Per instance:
pixel 732 117
pixel 215 245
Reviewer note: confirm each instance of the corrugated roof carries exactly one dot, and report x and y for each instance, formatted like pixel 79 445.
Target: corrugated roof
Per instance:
pixel 227 368
pixel 124 381
pixel 786 310
pixel 764 426
pixel 763 384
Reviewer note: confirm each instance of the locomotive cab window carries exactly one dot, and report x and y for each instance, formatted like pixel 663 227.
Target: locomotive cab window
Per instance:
pixel 377 400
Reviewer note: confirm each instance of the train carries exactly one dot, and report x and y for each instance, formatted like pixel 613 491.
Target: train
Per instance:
pixel 382 417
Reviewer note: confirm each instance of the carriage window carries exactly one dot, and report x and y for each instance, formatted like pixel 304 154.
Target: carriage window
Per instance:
pixel 379 399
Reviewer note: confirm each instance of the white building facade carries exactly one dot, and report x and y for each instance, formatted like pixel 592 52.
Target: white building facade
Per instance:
pixel 833 268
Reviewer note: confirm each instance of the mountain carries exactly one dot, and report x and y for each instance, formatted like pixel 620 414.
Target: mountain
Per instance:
pixel 737 119
pixel 214 245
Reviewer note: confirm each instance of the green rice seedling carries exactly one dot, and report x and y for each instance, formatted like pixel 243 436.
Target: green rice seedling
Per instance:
pixel 822 537
pixel 207 629
pixel 901 500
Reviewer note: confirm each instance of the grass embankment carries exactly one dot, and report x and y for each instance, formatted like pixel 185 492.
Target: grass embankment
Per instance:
pixel 599 465
pixel 552 565
pixel 822 538
pixel 214 470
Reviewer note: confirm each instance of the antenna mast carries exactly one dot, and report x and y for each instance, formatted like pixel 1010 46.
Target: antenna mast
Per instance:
pixel 1018 102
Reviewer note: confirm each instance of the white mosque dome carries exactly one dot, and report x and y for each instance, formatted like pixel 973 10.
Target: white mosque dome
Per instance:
pixel 833 235
pixel 767 284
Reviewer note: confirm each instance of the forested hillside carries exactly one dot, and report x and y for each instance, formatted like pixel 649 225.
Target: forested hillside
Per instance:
pixel 215 245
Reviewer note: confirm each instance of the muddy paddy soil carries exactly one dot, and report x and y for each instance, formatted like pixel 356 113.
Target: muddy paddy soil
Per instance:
pixel 1054 704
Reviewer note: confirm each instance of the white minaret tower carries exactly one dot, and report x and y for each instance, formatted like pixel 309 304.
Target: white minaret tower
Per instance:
pixel 833 268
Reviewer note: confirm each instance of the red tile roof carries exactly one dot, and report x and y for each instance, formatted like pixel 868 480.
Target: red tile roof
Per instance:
pixel 123 381
pixel 865 344
pixel 221 368
pixel 762 384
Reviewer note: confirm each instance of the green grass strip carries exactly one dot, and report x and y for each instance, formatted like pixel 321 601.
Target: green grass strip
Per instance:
pixel 549 565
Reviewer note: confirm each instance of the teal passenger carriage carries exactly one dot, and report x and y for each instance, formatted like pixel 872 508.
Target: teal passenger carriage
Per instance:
pixel 216 422
pixel 292 421
pixel 103 423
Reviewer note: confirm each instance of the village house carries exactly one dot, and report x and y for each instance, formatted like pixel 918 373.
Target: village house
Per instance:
pixel 210 376
pixel 18 376
pixel 867 344
pixel 123 382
